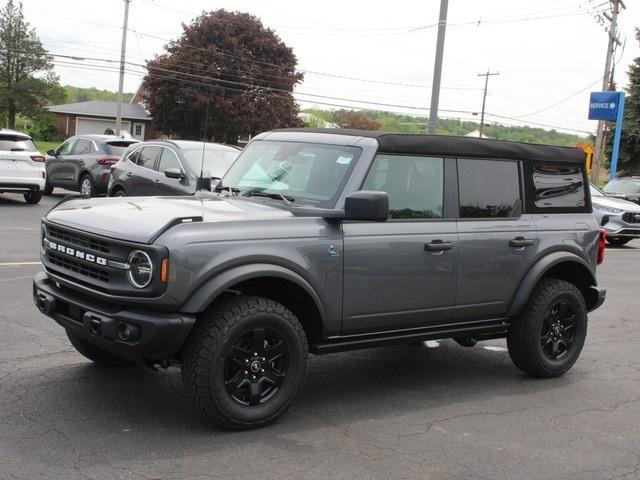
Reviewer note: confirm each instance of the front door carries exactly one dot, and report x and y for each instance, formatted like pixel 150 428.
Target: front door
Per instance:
pixel 56 164
pixel 401 273
pixel 498 243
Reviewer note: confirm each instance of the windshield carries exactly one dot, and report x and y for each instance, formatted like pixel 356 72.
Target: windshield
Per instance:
pixel 306 173
pixel 12 143
pixel 216 160
pixel 117 148
pixel 595 191
pixel 623 186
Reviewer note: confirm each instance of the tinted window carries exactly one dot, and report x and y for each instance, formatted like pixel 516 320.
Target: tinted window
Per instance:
pixel 414 184
pixel 558 186
pixel 83 147
pixel 168 159
pixel 66 147
pixel 10 143
pixel 488 188
pixel 147 156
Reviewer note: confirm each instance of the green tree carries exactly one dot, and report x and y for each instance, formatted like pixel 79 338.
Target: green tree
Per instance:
pixel 629 154
pixel 229 64
pixel 27 80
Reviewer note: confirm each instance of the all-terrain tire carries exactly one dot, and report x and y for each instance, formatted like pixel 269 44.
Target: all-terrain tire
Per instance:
pixel 96 354
pixel 212 350
pixel 526 334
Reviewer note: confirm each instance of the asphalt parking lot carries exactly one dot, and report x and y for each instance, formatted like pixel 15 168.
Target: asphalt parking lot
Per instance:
pixel 435 412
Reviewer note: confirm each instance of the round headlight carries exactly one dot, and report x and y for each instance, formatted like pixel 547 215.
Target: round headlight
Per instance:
pixel 140 269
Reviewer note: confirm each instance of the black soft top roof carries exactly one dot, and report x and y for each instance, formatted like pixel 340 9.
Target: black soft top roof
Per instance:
pixel 457 146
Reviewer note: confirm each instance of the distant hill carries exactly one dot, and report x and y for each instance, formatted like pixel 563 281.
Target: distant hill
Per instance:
pixel 392 122
pixel 79 94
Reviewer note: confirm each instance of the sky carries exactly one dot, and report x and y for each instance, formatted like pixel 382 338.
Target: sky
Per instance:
pixel 549 53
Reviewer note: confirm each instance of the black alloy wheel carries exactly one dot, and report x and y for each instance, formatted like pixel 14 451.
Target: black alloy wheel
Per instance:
pixel 558 331
pixel 256 367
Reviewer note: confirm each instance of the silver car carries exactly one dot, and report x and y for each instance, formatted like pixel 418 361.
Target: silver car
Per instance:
pixel 620 218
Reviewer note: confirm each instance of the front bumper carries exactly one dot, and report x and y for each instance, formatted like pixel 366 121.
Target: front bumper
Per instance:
pixel 616 227
pixel 151 335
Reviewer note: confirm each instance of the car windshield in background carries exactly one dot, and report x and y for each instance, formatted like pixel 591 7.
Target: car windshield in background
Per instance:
pixel 595 192
pixel 304 172
pixel 10 143
pixel 216 160
pixel 623 186
pixel 117 148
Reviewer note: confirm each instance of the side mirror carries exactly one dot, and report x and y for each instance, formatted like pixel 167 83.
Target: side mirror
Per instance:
pixel 367 205
pixel 174 173
pixel 51 153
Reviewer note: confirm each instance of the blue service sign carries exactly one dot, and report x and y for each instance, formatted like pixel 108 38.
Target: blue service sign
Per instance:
pixel 604 105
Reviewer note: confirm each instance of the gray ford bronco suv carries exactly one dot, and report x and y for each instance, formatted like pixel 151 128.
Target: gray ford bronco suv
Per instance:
pixel 329 240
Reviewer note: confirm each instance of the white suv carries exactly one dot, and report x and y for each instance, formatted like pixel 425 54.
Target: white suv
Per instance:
pixel 21 166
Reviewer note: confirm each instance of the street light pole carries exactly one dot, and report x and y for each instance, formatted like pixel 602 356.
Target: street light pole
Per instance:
pixel 484 97
pixel 123 49
pixel 437 70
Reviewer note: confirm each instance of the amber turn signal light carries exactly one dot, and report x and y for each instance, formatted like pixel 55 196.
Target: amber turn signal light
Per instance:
pixel 164 270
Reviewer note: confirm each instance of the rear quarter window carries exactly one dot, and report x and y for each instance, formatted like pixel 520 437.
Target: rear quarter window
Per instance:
pixel 557 187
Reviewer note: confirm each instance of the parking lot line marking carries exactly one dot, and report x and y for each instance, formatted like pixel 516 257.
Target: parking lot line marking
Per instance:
pixel 18 264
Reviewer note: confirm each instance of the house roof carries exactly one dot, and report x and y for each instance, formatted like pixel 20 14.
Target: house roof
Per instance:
pixel 100 108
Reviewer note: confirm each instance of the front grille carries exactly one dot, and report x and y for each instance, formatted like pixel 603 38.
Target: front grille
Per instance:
pixel 630 217
pixel 628 231
pixel 78 240
pixel 74 266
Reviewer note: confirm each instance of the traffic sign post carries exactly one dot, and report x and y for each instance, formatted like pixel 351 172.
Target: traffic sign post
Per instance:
pixel 609 106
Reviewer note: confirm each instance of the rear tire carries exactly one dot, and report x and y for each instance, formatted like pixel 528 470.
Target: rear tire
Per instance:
pixel 617 241
pixel 244 362
pixel 87 187
pixel 48 189
pixel 546 339
pixel 119 193
pixel 33 197
pixel 96 354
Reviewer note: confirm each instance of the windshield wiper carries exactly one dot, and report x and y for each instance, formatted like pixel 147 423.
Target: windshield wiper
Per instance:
pixel 276 196
pixel 231 190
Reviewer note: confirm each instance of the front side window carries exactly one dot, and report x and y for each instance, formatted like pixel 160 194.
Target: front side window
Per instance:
pixel 83 147
pixel 489 188
pixel 168 159
pixel 147 156
pixel 306 173
pixel 558 186
pixel 415 185
pixel 66 147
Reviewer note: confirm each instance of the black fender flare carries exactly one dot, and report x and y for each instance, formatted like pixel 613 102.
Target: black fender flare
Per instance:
pixel 538 270
pixel 206 293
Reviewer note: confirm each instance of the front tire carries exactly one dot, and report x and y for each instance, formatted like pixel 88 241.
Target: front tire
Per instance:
pixel 33 197
pixel 244 362
pixel 546 339
pixel 96 354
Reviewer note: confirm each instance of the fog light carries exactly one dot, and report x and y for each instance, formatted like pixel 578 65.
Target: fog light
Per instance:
pixel 128 332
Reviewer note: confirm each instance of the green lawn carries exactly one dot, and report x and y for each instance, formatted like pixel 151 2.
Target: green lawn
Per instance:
pixel 43 147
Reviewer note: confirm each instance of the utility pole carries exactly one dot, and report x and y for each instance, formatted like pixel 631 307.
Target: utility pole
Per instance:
pixel 484 97
pixel 437 69
pixel 607 80
pixel 123 49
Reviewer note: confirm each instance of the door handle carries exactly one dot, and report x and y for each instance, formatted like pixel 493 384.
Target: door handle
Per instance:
pixel 520 242
pixel 129 174
pixel 157 180
pixel 438 246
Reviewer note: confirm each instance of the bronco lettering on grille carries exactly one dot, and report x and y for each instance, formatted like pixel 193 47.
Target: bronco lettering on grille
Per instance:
pixel 76 253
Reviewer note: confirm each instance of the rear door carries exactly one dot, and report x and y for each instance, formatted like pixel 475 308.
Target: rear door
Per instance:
pixel 141 181
pixel 498 243
pixel 401 273
pixel 82 158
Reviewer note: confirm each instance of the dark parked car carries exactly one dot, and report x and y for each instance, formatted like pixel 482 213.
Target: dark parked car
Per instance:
pixel 627 188
pixel 168 167
pixel 82 163
pixel 330 240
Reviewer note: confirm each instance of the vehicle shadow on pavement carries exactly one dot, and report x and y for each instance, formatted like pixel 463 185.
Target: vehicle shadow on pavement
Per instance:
pixel 83 406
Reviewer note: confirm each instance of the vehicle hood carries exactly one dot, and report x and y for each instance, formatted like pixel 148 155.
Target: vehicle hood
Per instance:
pixel 613 202
pixel 142 219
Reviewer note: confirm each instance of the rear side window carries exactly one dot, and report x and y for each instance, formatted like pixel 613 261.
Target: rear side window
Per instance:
pixel 489 188
pixel 12 143
pixel 415 185
pixel 558 186
pixel 147 156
